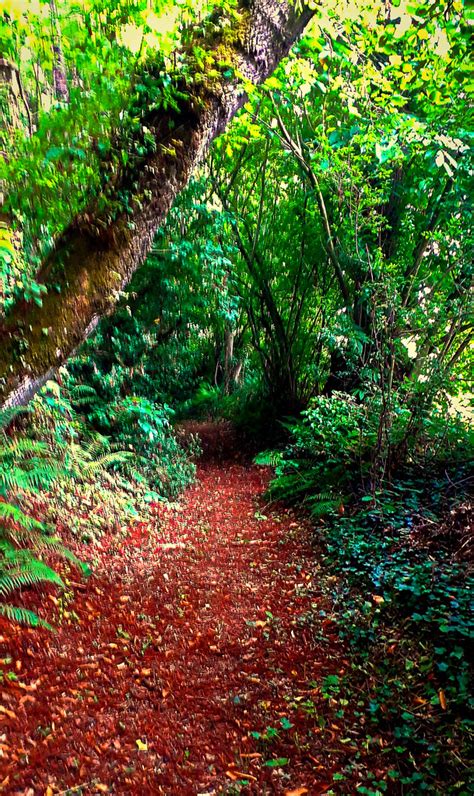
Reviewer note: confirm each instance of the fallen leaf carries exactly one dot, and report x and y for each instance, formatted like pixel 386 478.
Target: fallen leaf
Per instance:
pixel 27 698
pixel 277 762
pixel 233 775
pixel 296 792
pixel 442 700
pixel 142 745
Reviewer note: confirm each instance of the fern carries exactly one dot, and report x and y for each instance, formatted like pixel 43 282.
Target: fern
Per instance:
pixel 55 545
pixel 26 466
pixel 39 476
pixel 22 616
pixel 9 414
pixel 298 481
pixel 20 568
pixel 83 462
pixel 293 484
pixel 83 395
pixel 269 458
pixel 11 513
pixel 322 504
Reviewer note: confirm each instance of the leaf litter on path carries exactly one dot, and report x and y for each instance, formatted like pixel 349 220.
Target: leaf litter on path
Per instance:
pixel 188 664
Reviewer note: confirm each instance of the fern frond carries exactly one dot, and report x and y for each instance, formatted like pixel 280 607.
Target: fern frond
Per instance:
pixel 23 616
pixel 19 478
pixel 326 497
pixel 268 458
pixel 12 513
pixel 83 462
pixel 55 544
pixel 27 573
pixel 109 460
pixel 9 414
pixel 290 485
pixel 321 508
pixel 23 446
pixel 82 390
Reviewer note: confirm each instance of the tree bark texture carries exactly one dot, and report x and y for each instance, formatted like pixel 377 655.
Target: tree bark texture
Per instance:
pixel 93 261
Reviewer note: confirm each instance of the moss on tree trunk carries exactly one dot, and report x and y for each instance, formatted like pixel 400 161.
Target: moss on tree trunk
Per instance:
pixel 95 258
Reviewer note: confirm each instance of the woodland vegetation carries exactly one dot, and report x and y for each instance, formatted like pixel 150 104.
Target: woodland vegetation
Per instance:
pixel 245 225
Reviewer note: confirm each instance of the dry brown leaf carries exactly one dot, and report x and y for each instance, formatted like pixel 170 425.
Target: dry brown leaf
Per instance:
pixel 377 598
pixel 7 712
pixel 27 698
pixel 442 700
pixel 233 775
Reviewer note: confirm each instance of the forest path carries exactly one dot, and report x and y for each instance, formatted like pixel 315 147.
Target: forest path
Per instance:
pixel 199 628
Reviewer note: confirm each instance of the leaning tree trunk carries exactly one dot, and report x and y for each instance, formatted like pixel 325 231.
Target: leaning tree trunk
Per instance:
pixel 94 259
pixel 61 90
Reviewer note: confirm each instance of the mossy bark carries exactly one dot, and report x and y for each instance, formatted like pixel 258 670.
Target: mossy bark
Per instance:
pixel 88 268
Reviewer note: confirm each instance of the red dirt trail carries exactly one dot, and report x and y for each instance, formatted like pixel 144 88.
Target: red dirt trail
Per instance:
pixel 197 629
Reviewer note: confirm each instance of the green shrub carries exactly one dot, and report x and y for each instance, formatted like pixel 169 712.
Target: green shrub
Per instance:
pixel 143 426
pixel 344 446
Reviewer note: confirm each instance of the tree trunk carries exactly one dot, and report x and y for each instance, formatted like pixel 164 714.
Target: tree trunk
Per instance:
pixel 14 114
pixel 92 262
pixel 228 360
pixel 61 90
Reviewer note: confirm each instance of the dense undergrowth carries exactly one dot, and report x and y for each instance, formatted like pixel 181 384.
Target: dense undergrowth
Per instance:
pixel 402 559
pixel 405 610
pixel 65 477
